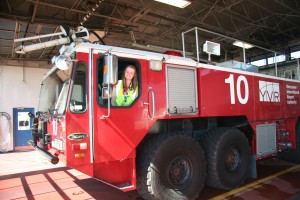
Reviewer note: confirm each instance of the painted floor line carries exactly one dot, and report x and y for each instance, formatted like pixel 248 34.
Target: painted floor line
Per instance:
pixel 250 185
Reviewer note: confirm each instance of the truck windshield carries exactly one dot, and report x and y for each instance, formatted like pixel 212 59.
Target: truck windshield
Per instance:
pixel 54 92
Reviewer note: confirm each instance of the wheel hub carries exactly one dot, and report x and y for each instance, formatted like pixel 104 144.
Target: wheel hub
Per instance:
pixel 179 172
pixel 232 159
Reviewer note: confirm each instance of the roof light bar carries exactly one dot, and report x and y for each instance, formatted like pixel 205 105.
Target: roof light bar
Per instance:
pixel 176 3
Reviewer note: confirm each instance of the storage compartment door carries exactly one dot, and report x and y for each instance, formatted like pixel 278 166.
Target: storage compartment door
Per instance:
pixel 181 90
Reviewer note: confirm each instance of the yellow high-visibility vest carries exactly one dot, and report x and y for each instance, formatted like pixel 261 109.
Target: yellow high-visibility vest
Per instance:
pixel 125 100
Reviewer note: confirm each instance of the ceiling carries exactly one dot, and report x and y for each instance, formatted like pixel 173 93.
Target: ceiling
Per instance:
pixel 272 24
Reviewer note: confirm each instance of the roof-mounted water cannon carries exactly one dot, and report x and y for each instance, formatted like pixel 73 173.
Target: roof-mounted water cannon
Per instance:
pixel 66 36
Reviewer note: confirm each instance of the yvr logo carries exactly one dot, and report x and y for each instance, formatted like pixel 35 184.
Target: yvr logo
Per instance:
pixel 269 91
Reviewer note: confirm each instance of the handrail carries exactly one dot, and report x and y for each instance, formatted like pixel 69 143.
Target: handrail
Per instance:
pixel 91 105
pixel 5 114
pixel 153 102
pixel 231 38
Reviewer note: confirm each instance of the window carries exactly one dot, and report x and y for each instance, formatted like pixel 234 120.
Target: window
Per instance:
pixel 267 59
pixel 277 59
pixel 119 94
pixel 78 100
pixel 259 63
pixel 295 54
pixel 62 99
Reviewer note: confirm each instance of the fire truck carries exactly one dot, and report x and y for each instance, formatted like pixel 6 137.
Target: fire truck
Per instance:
pixel 192 123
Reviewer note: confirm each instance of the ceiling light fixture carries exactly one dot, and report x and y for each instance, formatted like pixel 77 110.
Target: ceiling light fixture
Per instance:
pixel 176 3
pixel 242 44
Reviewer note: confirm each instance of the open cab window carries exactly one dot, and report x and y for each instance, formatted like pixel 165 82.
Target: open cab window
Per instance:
pixel 121 85
pixel 78 98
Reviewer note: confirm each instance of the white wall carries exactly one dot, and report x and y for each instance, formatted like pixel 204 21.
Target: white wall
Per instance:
pixel 19 87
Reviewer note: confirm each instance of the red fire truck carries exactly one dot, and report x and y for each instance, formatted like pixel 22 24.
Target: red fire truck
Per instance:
pixel 192 123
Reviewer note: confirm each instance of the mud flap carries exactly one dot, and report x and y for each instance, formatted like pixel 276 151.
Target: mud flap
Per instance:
pixel 252 167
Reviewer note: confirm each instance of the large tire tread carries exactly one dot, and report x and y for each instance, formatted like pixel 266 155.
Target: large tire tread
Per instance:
pixel 210 143
pixel 146 154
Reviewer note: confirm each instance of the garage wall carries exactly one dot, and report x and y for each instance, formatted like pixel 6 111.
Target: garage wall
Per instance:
pixel 284 71
pixel 19 87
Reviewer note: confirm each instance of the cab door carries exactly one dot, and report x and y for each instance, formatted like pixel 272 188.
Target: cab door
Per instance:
pixel 77 118
pixel 118 129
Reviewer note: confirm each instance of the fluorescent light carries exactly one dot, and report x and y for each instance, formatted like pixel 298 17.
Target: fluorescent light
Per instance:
pixel 242 44
pixel 177 3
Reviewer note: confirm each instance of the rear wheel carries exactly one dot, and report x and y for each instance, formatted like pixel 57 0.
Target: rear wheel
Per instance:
pixel 170 167
pixel 228 157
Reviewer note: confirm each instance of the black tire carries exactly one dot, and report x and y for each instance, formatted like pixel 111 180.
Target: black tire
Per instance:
pixel 170 167
pixel 228 154
pixel 292 155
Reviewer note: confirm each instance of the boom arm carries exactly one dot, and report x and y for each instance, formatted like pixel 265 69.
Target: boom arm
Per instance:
pixel 69 36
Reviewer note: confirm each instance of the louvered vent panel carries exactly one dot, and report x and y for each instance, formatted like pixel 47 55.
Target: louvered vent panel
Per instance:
pixel 266 140
pixel 182 94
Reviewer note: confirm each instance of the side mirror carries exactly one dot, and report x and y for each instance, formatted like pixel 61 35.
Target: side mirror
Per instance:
pixel 110 70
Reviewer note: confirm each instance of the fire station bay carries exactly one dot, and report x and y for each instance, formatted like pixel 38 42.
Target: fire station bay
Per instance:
pixel 150 99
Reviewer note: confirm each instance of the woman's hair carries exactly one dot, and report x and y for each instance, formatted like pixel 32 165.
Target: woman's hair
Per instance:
pixel 134 81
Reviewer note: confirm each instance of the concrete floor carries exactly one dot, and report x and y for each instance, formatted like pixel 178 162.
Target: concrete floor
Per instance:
pixel 27 175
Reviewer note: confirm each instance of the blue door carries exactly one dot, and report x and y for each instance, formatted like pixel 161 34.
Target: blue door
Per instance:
pixel 22 123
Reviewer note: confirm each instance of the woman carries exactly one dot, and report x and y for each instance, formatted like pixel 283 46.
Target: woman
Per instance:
pixel 127 88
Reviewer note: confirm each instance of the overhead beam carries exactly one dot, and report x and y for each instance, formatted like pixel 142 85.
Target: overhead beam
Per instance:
pixel 271 12
pixel 34 11
pixel 169 18
pixel 280 2
pixel 51 38
pixel 175 22
pixel 16 35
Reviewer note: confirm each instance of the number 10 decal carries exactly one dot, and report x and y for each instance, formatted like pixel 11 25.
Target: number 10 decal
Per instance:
pixel 240 79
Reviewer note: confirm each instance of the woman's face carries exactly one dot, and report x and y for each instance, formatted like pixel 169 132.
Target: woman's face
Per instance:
pixel 129 73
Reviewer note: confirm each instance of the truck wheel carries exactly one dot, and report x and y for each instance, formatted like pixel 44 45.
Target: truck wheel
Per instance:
pixel 170 167
pixel 228 157
pixel 291 154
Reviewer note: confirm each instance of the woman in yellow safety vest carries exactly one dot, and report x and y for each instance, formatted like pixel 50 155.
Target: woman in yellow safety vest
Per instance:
pixel 127 88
